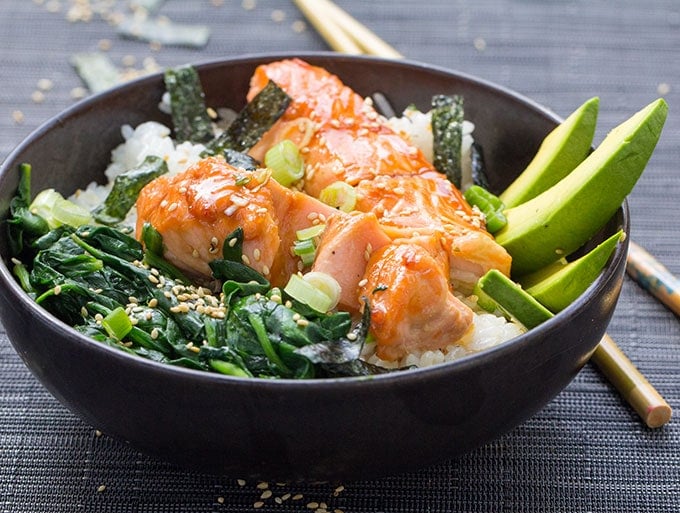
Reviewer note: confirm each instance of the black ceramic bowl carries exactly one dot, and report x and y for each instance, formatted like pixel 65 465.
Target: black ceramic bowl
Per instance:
pixel 322 429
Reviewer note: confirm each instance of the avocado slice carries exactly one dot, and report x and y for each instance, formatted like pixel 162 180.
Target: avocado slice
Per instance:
pixel 560 152
pixel 512 300
pixel 561 219
pixel 558 284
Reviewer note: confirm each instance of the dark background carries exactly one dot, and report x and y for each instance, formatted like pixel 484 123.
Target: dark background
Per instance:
pixel 585 452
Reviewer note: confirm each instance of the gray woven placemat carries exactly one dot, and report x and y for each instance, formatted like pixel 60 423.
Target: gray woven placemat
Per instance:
pixel 585 452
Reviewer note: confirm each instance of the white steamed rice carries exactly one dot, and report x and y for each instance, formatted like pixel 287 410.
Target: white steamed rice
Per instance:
pixel 152 138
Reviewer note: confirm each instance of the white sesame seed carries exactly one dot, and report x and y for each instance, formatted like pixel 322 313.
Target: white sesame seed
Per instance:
pixel 241 482
pixel 239 201
pixel 266 494
pixel 262 485
pixel 57 290
pixel 245 259
pixel 256 254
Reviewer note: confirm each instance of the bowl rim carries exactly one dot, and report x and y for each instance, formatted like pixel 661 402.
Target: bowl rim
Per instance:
pixel 10 286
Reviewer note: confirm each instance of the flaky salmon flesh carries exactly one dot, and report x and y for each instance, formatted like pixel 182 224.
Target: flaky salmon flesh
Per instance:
pixel 411 237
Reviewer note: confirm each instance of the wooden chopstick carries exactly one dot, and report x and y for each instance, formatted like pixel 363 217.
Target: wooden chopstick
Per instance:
pixel 653 277
pixel 336 37
pixel 332 22
pixel 631 384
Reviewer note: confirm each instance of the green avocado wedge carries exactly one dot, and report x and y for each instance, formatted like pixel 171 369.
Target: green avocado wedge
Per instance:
pixel 561 219
pixel 559 284
pixel 560 152
pixel 511 299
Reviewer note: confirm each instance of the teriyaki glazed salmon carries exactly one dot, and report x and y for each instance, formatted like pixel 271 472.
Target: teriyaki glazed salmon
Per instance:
pixel 406 245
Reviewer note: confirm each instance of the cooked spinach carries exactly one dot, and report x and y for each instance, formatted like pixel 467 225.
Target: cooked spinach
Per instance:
pixel 243 328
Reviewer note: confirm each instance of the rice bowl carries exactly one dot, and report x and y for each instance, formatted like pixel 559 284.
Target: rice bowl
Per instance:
pixel 302 429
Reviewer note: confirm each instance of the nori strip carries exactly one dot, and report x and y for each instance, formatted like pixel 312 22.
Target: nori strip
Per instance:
pixel 447 133
pixel 252 122
pixel 164 32
pixel 126 188
pixel 96 70
pixel 478 165
pixel 241 160
pixel 187 101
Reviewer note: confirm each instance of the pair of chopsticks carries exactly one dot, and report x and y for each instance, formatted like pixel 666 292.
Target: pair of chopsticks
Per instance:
pixel 345 34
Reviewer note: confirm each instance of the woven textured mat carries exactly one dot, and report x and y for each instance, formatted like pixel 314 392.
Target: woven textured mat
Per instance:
pixel 584 452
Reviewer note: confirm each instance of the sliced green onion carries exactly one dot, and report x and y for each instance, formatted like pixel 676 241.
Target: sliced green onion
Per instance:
pixel 326 284
pixel 491 206
pixel 117 323
pixel 306 250
pixel 57 211
pixel 311 232
pixel 304 292
pixel 340 195
pixel 67 212
pixel 228 368
pixel 285 162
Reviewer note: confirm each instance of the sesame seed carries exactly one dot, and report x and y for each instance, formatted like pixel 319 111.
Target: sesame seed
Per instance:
pixel 245 259
pixel 266 494
pixel 265 270
pixel 285 496
pixel 172 207
pixel 153 279
pixel 164 203
pixel 276 298
pixel 239 201
pixel 220 500
pixel 195 253
pixel 297 497
pixel 288 304
pixel 101 488
pixel 16 261
pixel 97 433
pixel 362 283
pixel 302 323
pixel 83 311
pixel 351 336
pixel 38 97
pixel 229 211
pixel 257 254
pixel 154 333
pixel 258 504
pixel 312 505
pixel 45 84
pixel 262 485
pixel 57 290
pixel 241 482
pixel 78 93
pixel 339 489
pixel 18 116
pixel 299 26
pixel 104 45
pixel 278 15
